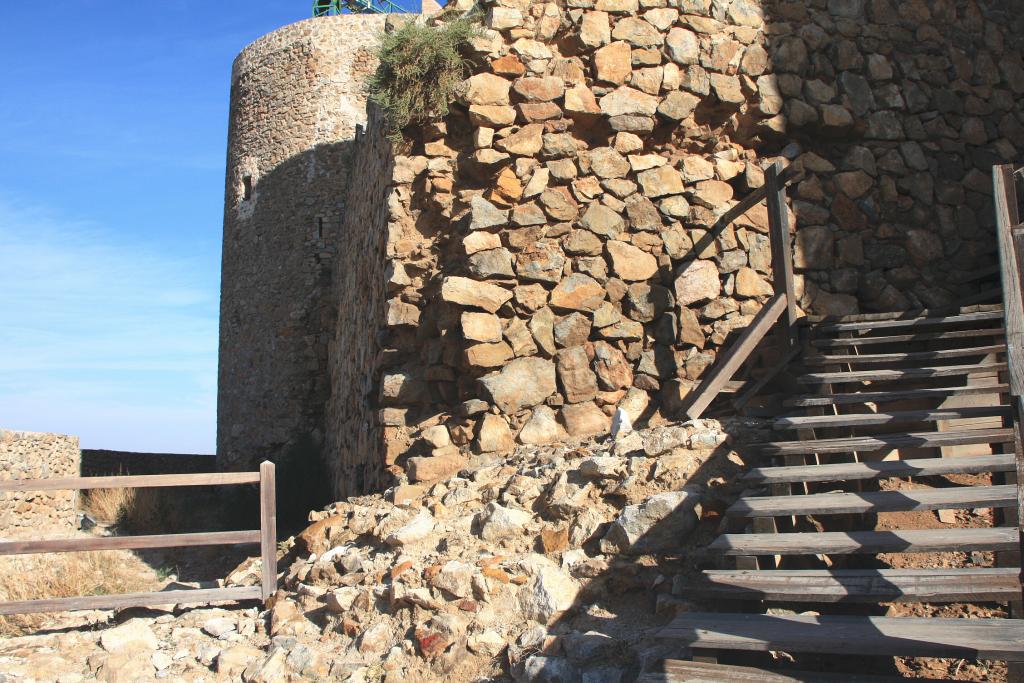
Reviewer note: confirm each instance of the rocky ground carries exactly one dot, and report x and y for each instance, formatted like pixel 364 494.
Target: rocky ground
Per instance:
pixel 555 563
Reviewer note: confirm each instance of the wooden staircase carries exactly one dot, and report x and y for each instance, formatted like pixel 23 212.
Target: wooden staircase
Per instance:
pixel 889 487
pixel 896 421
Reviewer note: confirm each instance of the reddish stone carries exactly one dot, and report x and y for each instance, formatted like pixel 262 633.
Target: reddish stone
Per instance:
pixel 509 65
pixel 432 643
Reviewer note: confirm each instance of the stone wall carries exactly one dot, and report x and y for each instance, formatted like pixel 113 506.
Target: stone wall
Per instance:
pixel 296 99
pixel 32 455
pixel 355 450
pixel 546 253
pixel 558 223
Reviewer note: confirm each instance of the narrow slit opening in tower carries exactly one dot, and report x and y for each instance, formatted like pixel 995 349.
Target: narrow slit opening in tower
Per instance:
pixel 247 187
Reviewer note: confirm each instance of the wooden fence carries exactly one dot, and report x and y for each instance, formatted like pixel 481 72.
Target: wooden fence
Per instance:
pixel 265 537
pixel 782 305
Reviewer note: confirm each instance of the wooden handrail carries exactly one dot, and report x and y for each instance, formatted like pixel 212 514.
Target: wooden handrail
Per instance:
pixel 783 301
pixel 1011 258
pixel 783 178
pixel 735 355
pixel 265 536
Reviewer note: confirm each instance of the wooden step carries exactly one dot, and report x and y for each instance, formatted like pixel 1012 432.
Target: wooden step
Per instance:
pixel 895 417
pixel 934 372
pixel 861 542
pixel 954 498
pixel 859 585
pixel 917 322
pixel 883 469
pixel 868 358
pixel 828 343
pixel 855 635
pixel 936 393
pixel 680 671
pixel 854 444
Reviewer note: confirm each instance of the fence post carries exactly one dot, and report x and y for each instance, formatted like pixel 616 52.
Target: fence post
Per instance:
pixel 268 529
pixel 782 252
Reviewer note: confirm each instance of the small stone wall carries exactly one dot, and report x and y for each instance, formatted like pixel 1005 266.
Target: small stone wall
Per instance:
pixel 32 455
pixel 100 463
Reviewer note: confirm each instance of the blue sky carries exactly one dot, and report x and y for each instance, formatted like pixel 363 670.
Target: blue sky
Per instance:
pixel 113 122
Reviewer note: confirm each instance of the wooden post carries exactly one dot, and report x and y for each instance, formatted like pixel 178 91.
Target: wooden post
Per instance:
pixel 782 251
pixel 268 529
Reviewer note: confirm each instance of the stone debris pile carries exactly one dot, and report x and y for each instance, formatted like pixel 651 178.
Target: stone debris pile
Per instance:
pixel 555 563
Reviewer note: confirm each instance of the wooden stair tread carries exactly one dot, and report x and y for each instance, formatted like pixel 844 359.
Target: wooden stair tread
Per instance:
pixel 916 322
pixel 854 359
pixel 924 467
pixel 877 442
pixel 954 498
pixel 859 585
pixel 894 395
pixel 857 635
pixel 909 338
pixel 870 419
pixel 885 375
pixel 860 542
pixel 679 671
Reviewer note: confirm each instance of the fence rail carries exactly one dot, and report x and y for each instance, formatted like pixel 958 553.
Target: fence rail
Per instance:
pixel 265 537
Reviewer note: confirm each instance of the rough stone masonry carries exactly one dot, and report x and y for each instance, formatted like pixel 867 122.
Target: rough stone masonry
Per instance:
pixel 34 455
pixel 542 256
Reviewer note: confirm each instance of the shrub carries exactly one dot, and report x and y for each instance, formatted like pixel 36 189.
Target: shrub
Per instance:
pixel 420 68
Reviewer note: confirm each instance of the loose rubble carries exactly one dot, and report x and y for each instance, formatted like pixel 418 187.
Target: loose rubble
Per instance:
pixel 549 563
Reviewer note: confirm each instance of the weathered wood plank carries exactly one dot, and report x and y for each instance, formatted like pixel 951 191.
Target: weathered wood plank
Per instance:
pixel 751 200
pixel 894 395
pixel 62 545
pixel 870 358
pixel 729 362
pixel 895 636
pixel 895 417
pixel 910 338
pixel 123 600
pixel 938 371
pixel 867 542
pixel 1005 196
pixel 930 467
pixel 134 482
pixel 679 671
pixel 955 498
pixel 916 322
pixel 859 585
pixel 782 250
pixel 268 529
pixel 853 444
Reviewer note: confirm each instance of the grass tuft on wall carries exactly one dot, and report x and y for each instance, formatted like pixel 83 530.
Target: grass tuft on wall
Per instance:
pixel 420 68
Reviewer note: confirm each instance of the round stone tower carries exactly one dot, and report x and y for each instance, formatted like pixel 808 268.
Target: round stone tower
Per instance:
pixel 297 96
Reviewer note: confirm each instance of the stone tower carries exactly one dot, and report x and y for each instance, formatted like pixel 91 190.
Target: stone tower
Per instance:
pixel 296 100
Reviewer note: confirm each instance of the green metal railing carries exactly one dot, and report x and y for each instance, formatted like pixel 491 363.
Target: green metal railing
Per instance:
pixel 323 8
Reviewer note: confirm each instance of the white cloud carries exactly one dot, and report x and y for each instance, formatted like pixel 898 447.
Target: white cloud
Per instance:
pixel 104 337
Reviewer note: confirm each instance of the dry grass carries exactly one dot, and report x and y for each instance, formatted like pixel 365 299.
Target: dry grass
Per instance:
pixel 31 577
pixel 134 510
